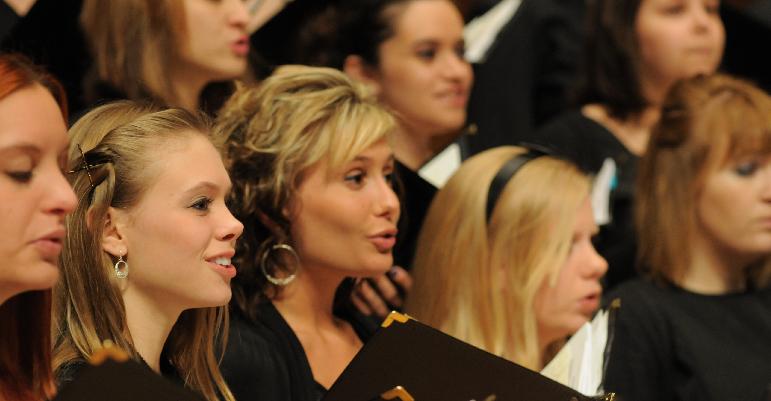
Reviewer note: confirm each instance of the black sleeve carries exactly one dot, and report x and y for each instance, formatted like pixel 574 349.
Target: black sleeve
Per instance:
pixel 638 368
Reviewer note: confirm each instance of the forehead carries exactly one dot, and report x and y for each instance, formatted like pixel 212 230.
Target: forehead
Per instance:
pixel 31 115
pixel 183 164
pixel 427 19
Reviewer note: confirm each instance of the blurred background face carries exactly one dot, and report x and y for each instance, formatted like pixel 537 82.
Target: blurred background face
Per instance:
pixel 180 238
pixel 216 42
pixel 34 195
pixel 345 220
pixel 733 211
pixel 422 74
pixel 563 307
pixel 678 39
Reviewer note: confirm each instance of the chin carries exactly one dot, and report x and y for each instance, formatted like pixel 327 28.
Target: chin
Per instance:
pixel 41 276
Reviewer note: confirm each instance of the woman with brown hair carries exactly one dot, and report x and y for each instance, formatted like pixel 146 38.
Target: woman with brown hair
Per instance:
pixel 147 263
pixel 34 198
pixel 312 165
pixel 698 327
pixel 168 51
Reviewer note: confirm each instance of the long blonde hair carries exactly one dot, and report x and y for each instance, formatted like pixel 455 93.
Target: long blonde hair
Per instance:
pixel 121 140
pixel 270 136
pixel 477 281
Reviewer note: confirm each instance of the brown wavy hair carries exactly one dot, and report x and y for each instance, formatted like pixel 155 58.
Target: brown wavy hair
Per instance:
pixel 25 319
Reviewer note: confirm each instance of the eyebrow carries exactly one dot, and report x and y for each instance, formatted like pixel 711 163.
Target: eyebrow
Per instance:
pixel 204 186
pixel 22 148
pixel 368 159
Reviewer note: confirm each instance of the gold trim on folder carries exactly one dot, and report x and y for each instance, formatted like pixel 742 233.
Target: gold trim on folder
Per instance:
pixel 398 391
pixel 394 315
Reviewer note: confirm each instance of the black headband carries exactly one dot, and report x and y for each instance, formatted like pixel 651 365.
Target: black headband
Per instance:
pixel 507 171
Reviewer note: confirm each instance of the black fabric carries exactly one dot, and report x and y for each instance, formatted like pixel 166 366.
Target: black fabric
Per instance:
pixel 588 144
pixel 50 36
pixel 416 195
pixel 671 344
pixel 528 73
pixel 264 360
pixel 8 19
pixel 70 371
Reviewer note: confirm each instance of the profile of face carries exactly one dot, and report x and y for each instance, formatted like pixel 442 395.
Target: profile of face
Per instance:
pixel 422 74
pixel 733 209
pixel 216 42
pixel 679 39
pixel 344 221
pixel 180 237
pixel 562 307
pixel 34 195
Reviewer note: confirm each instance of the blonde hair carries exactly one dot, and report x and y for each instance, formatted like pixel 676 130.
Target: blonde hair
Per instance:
pixel 477 281
pixel 270 136
pixel 133 43
pixel 122 141
pixel 706 123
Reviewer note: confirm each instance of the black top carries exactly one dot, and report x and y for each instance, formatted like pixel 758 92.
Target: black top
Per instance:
pixel 588 144
pixel 527 74
pixel 671 344
pixel 264 360
pixel 416 195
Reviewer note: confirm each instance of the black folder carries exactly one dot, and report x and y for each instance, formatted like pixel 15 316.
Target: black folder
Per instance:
pixel 408 360
pixel 123 381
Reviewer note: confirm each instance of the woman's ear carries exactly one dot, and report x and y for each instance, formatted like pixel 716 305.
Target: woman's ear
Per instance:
pixel 113 238
pixel 356 68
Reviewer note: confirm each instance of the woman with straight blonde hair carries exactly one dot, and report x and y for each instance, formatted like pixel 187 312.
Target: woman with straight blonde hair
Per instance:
pixel 515 272
pixel 147 263
pixel 167 51
pixel 697 327
pixel 311 164
pixel 34 198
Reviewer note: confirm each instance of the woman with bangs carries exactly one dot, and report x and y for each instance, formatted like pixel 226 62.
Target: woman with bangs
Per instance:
pixel 147 262
pixel 34 199
pixel 311 162
pixel 519 273
pixel 698 327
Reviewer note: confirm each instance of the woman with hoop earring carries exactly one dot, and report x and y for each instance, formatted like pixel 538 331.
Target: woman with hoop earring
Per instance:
pixel 311 163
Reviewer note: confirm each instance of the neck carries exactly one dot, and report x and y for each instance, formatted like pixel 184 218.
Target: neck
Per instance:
pixel 547 350
pixel 415 148
pixel 149 325
pixel 715 270
pixel 309 300
pixel 187 87
pixel 632 132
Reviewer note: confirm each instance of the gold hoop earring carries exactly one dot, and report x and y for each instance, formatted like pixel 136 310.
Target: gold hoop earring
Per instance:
pixel 281 282
pixel 121 272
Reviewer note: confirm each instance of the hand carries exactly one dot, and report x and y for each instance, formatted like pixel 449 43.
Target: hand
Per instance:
pixel 20 7
pixel 379 295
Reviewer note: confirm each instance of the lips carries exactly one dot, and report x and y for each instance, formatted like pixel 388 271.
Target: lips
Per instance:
pixel 222 264
pixel 49 246
pixel 241 46
pixel 454 97
pixel 588 304
pixel 385 240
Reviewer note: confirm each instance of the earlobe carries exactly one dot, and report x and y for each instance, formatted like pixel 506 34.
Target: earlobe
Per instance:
pixel 113 241
pixel 356 68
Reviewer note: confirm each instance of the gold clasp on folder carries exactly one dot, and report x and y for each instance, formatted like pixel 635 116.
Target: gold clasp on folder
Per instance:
pixel 394 315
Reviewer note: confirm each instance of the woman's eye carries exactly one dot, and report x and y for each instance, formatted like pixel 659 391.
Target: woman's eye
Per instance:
pixel 746 169
pixel 356 178
pixel 22 177
pixel 389 177
pixel 426 54
pixel 202 204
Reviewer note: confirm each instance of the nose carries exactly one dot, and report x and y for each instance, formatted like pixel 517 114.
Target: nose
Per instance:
pixel 231 229
pixel 457 68
pixel 765 189
pixel 596 265
pixel 388 205
pixel 238 15
pixel 700 16
pixel 60 198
